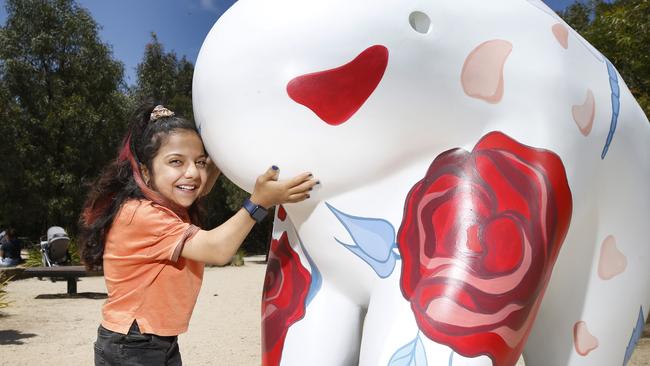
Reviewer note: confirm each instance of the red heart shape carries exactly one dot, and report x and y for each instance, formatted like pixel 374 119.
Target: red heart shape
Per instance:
pixel 336 95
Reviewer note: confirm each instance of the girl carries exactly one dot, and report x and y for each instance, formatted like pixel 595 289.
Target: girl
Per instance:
pixel 140 222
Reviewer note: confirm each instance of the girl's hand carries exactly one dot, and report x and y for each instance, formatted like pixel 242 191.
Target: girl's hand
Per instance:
pixel 269 191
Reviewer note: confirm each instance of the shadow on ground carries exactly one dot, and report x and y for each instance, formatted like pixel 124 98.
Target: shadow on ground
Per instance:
pixel 80 295
pixel 13 337
pixel 261 261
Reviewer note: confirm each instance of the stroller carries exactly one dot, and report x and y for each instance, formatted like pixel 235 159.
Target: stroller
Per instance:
pixel 54 247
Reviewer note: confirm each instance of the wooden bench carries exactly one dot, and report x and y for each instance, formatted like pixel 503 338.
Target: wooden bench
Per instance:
pixel 68 273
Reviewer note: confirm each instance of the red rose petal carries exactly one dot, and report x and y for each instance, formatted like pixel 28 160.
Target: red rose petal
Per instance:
pixel 283 301
pixel 505 245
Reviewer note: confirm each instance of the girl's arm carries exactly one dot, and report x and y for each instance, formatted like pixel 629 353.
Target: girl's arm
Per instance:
pixel 217 246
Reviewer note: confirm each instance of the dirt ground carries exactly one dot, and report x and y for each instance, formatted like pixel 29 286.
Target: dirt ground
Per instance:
pixel 225 327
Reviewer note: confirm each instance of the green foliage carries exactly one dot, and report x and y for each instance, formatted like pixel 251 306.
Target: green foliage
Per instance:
pixel 577 16
pixel 621 31
pixel 63 112
pixel 34 258
pixel 3 293
pixel 73 250
pixel 238 258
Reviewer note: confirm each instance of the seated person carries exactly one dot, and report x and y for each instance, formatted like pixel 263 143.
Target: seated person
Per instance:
pixel 10 249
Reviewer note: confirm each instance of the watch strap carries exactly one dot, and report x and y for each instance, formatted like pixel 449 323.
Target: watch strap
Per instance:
pixel 257 212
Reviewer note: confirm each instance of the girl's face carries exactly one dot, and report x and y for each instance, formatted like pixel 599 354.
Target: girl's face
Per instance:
pixel 179 169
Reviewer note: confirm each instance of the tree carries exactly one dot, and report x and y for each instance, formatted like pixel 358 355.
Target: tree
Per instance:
pixel 63 112
pixel 621 31
pixel 164 78
pixel 578 16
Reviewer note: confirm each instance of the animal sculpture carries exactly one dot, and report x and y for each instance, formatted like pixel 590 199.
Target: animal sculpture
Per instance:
pixel 484 181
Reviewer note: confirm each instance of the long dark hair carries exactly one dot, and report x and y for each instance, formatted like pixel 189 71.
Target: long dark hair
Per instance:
pixel 122 180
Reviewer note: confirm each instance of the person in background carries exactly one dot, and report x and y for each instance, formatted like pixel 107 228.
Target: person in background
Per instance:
pixel 10 249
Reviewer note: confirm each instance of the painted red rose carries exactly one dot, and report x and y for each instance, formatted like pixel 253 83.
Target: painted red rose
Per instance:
pixel 479 238
pixel 283 301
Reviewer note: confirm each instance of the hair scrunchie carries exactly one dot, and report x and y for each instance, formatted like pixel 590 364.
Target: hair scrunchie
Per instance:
pixel 160 112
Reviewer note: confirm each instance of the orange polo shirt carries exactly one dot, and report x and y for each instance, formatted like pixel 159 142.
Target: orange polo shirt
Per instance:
pixel 146 278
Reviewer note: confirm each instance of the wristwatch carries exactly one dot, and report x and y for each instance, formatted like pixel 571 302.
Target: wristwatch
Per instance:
pixel 257 212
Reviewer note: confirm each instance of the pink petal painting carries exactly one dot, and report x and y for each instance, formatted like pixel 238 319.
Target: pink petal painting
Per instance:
pixel 583 114
pixel 482 74
pixel 583 340
pixel 561 33
pixel 612 261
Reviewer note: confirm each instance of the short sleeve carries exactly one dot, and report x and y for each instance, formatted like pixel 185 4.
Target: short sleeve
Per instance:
pixel 150 231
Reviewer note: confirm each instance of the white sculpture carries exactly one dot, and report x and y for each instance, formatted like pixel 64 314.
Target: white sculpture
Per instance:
pixel 475 157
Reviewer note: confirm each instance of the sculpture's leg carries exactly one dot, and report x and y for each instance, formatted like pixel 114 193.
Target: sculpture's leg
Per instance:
pixel 391 335
pixel 305 319
pixel 599 294
pixel 551 341
pixel 328 335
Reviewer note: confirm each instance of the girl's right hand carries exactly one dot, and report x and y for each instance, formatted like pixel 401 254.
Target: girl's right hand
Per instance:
pixel 269 191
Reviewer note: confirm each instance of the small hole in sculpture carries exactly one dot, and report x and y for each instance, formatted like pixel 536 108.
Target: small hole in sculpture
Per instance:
pixel 420 22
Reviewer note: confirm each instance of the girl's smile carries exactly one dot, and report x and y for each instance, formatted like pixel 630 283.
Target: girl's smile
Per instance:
pixel 179 169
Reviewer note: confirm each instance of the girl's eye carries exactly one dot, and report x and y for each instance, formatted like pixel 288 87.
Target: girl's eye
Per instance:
pixel 175 162
pixel 202 163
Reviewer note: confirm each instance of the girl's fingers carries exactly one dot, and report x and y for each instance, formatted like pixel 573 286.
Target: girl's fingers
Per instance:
pixel 298 197
pixel 299 179
pixel 276 172
pixel 271 173
pixel 303 187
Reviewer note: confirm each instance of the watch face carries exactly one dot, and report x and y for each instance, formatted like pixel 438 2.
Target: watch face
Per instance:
pixel 260 213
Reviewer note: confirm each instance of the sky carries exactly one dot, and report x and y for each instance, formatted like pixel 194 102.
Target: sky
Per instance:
pixel 181 25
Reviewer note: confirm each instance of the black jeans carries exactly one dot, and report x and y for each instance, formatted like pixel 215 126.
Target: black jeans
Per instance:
pixel 135 349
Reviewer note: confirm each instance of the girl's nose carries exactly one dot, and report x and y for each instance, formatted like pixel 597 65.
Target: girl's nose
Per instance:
pixel 191 171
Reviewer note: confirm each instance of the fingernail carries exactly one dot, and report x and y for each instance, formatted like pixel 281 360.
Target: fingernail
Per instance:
pixel 310 189
pixel 274 167
pixel 308 196
pixel 318 182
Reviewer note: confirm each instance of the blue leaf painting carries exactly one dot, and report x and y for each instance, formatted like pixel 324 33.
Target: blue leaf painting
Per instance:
pixel 634 339
pixel 374 240
pixel 616 106
pixel 411 354
pixel 316 278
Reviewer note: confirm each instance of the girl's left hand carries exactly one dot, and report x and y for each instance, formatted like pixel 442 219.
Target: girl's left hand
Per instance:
pixel 269 191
